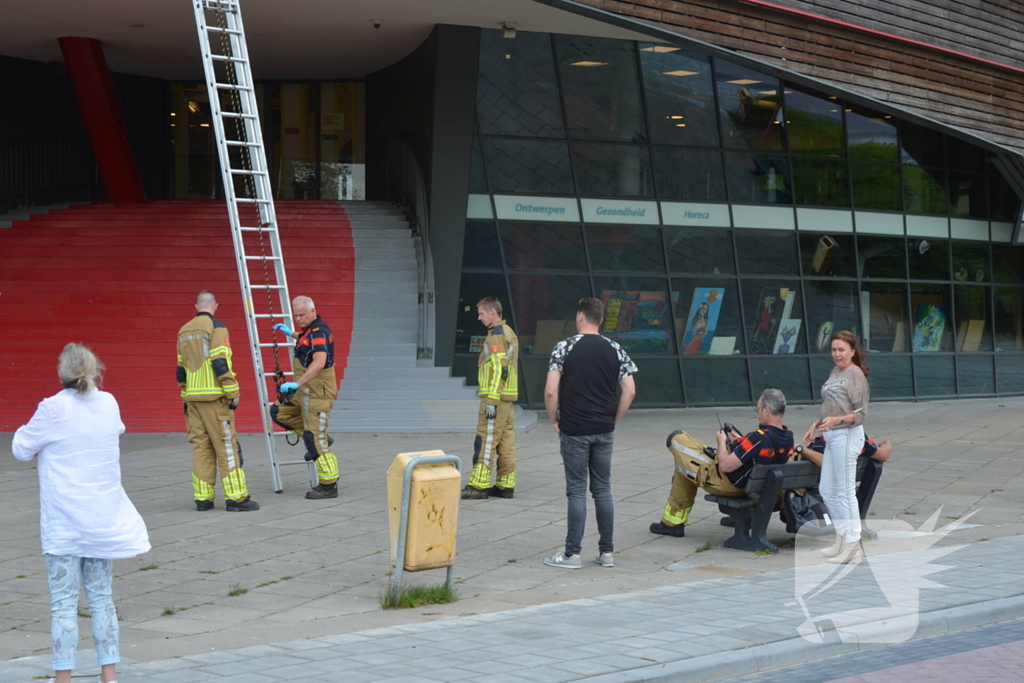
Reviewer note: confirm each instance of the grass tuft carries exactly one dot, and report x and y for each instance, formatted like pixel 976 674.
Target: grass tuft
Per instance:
pixel 708 545
pixel 763 553
pixel 235 589
pixel 149 567
pixel 393 597
pixel 169 611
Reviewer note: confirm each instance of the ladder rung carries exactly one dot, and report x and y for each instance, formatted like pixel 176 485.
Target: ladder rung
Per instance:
pixel 267 345
pixel 218 29
pixel 232 86
pixel 290 462
pixel 235 115
pixel 245 171
pixel 266 286
pixel 274 374
pixel 268 315
pixel 266 229
pixel 223 58
pixel 245 200
pixel 240 143
pixel 260 258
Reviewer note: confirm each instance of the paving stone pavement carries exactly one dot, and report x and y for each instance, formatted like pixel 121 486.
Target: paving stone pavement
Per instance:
pixel 312 571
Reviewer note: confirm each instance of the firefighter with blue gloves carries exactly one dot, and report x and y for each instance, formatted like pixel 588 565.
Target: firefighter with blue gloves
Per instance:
pixel 304 406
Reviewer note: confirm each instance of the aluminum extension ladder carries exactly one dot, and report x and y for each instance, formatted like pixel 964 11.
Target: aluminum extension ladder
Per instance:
pixel 243 167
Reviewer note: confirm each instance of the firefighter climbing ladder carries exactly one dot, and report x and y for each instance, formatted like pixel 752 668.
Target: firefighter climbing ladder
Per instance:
pixel 243 166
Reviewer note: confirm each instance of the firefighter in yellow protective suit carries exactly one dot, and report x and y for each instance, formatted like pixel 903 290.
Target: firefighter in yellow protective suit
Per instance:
pixel 307 413
pixel 498 375
pixel 210 392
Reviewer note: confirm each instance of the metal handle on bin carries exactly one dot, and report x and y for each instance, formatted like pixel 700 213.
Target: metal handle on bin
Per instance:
pixel 403 519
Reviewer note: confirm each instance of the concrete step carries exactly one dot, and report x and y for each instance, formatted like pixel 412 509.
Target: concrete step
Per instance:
pixel 406 251
pixel 385 275
pixel 382 361
pixel 385 264
pixel 382 350
pixel 525 421
pixel 367 297
pixel 389 240
pixel 382 406
pixel 371 219
pixel 387 373
pixel 388 309
pixel 412 394
pixel 370 335
pixel 399 385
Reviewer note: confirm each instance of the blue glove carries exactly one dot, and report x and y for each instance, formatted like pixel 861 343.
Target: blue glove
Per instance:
pixel 289 386
pixel 281 327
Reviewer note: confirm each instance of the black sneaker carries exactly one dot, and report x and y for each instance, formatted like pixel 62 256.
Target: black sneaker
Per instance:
pixel 247 504
pixel 660 528
pixel 473 493
pixel 498 492
pixel 323 491
pixel 204 505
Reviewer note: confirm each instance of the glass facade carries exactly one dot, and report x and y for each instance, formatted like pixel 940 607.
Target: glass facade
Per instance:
pixel 731 222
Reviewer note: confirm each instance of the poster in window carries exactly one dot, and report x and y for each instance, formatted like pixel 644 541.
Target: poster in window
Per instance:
pixel 773 306
pixel 640 321
pixel 929 326
pixel 702 320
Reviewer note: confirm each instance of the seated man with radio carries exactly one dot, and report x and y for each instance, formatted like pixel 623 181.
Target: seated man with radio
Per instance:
pixel 723 471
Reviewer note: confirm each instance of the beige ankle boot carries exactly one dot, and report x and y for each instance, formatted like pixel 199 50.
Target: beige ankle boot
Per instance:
pixel 836 548
pixel 853 553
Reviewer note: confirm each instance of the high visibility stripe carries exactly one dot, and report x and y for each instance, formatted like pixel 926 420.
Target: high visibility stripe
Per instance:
pixel 488 449
pixel 507 482
pixel 322 433
pixel 234 485
pixel 327 468
pixel 201 490
pixel 228 444
pixel 678 518
pixel 481 476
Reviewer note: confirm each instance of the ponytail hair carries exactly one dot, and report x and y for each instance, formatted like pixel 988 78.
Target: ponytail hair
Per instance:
pixel 859 355
pixel 79 369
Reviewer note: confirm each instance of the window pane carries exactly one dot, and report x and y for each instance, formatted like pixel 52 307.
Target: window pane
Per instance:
pixel 535 375
pixel 637 313
pixel 1010 374
pixel 774 317
pixel 532 246
pixel 967 195
pixel 626 248
pixel 820 182
pixel 517 93
pixel 763 252
pixel 613 170
pixel 790 375
pixel 929 259
pixel 545 307
pixel 964 155
pixel 933 326
pixel 935 376
pixel 972 316
pixel 466 366
pixel 976 375
pixel 882 257
pixel 1009 306
pixel 872 135
pixel 924 190
pixel 970 261
pixel 481 247
pixel 758 179
pixel 891 377
pixel 814 124
pixel 1003 201
pixel 1008 264
pixel 830 255
pixel 680 95
pixel 469 332
pixel 921 146
pixel 821 368
pixel 750 108
pixel 693 174
pixel 884 312
pixel 831 306
pixel 707 317
pixel 528 166
pixel 477 179
pixel 716 382
pixel 700 250
pixel 601 87
pixel 658 383
pixel 876 186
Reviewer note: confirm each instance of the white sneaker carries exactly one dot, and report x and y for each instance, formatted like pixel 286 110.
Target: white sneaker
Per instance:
pixel 605 560
pixel 560 559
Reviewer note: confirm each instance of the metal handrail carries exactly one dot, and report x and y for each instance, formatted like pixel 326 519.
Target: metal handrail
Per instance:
pixel 406 187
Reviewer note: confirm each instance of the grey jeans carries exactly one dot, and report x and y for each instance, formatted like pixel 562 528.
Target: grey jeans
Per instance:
pixel 582 456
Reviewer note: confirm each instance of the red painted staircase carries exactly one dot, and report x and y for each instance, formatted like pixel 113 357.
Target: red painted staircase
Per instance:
pixel 123 279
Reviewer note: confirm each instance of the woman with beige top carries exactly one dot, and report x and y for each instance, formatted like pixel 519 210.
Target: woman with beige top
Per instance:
pixel 844 408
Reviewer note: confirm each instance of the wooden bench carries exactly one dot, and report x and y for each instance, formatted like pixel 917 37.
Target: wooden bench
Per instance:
pixel 751 513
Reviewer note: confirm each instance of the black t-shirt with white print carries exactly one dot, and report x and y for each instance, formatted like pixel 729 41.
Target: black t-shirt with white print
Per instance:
pixel 588 394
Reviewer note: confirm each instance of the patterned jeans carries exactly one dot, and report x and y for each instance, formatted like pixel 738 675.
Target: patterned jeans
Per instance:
pixel 66 573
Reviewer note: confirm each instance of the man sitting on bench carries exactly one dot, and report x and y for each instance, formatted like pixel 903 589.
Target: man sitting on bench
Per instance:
pixel 726 472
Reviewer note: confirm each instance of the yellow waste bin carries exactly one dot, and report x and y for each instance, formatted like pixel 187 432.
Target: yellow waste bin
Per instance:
pixel 433 511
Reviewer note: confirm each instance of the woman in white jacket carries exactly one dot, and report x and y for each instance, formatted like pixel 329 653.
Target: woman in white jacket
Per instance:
pixel 86 518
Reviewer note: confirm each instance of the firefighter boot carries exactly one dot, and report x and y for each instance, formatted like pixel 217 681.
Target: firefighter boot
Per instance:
pixel 473 493
pixel 204 505
pixel 247 504
pixel 678 531
pixel 323 491
pixel 498 492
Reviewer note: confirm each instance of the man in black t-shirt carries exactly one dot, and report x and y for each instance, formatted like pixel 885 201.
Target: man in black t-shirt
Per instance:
pixel 726 474
pixel 583 399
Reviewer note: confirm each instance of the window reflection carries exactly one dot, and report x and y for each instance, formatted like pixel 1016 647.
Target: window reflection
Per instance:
pixel 680 95
pixel 775 320
pixel 891 377
pixel 814 124
pixel 480 249
pixel 932 324
pixel 477 179
pixel 518 90
pixel 921 146
pixel 935 376
pixel 751 108
pixel 790 375
pixel 689 174
pixel 929 259
pixel 700 250
pixel 970 262
pixel 623 248
pixel 755 246
pixel 601 88
pixel 637 313
pixel 469 332
pixel 830 255
pixel 1008 264
pixel 876 186
pixel 532 246
pixel 545 307
pixel 716 382
pixel 528 166
pixel 613 170
pixel 1009 319
pixel 707 316
pixel 884 312
pixel 1003 202
pixel 973 315
pixel 967 195
pixel 820 182
pixel 872 135
pixel 924 190
pixel 882 257
pixel 1010 374
pixel 831 307
pixel 964 155
pixel 975 375
pixel 660 384
pixel 758 179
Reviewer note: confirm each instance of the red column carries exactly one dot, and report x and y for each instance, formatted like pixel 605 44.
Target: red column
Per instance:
pixel 90 77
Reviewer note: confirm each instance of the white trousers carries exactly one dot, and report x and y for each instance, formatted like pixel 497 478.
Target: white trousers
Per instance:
pixel 839 480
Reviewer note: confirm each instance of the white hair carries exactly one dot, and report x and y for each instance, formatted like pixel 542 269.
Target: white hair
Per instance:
pixel 206 300
pixel 305 301
pixel 774 400
pixel 78 368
